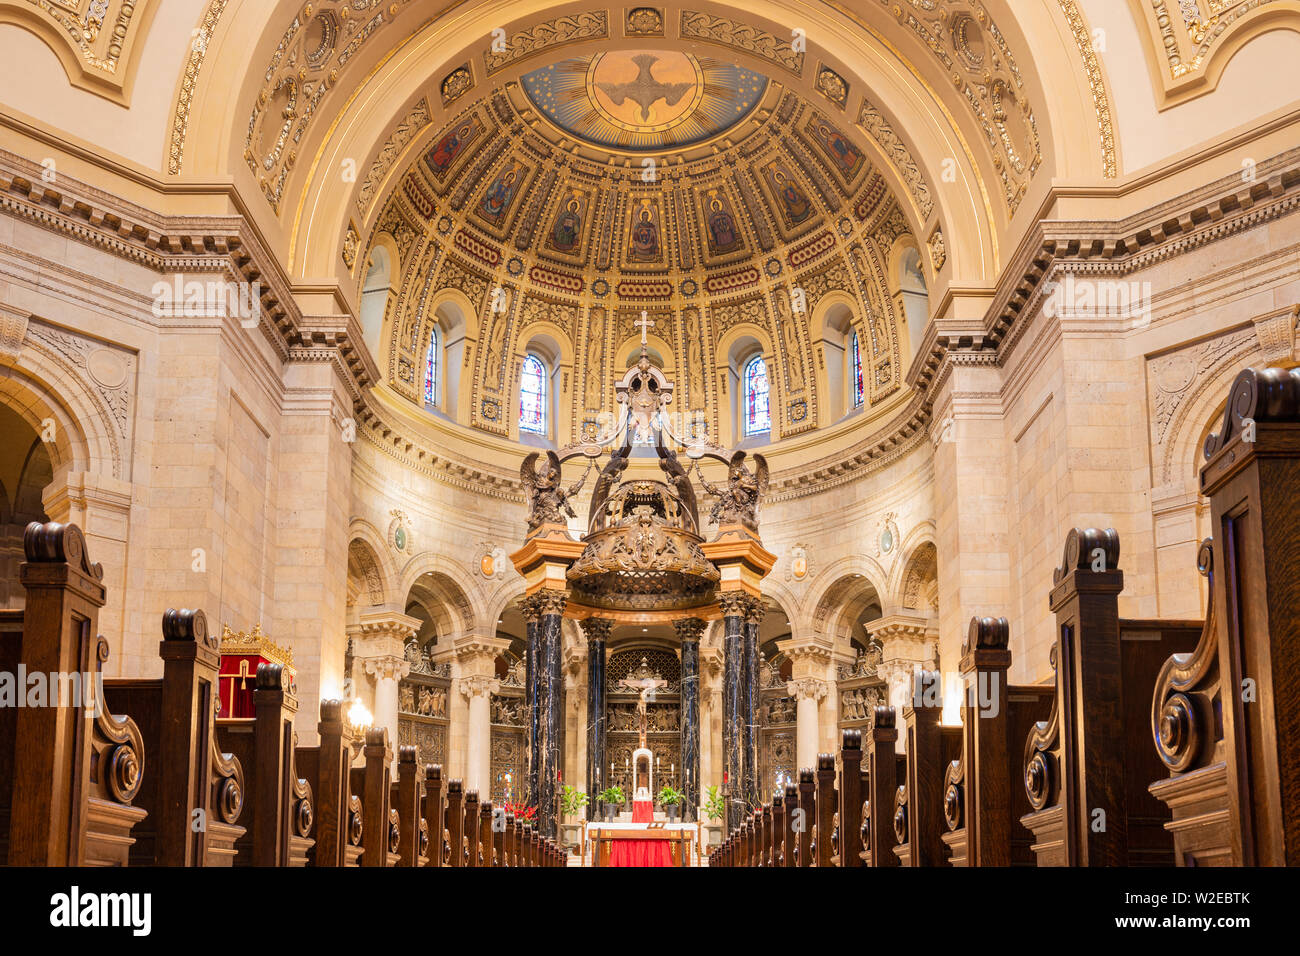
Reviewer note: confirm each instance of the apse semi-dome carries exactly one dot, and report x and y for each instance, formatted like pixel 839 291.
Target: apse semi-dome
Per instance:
pixel 597 191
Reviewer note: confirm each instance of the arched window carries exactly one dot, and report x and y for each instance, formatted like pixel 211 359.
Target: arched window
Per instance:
pixel 532 396
pixel 758 416
pixel 431 370
pixel 855 367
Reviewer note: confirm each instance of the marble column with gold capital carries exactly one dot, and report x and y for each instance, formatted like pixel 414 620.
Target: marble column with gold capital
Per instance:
pixel 689 631
pixel 736 716
pixel 550 604
pixel 754 613
pixel 597 630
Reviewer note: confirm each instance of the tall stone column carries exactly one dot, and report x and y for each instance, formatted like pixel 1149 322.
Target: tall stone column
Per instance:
pixel 597 630
pixel 477 691
pixel 754 612
pixel 734 698
pixel 688 632
pixel 532 694
pixel 550 647
pixel 379 647
pixel 807 692
pixel 477 657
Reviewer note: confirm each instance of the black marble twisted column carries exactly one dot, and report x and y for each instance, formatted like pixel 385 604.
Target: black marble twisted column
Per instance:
pixel 733 705
pixel 689 631
pixel 597 631
pixel 532 689
pixel 754 611
pixel 550 645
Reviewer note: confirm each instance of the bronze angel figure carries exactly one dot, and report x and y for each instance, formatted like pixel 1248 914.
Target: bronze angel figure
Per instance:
pixel 738 502
pixel 548 499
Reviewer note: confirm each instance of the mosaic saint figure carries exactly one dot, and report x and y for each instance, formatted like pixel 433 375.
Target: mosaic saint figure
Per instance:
pixel 722 227
pixel 568 224
pixel 497 200
pixel 797 205
pixel 449 147
pixel 645 237
pixel 844 153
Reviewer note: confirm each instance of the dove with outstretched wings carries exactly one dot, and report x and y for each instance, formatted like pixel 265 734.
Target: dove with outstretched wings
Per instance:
pixel 645 90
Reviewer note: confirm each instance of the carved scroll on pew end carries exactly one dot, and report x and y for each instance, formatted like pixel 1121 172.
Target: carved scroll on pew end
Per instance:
pixel 1223 715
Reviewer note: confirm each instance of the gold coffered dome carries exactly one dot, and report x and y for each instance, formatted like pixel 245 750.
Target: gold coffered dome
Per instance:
pixel 560 211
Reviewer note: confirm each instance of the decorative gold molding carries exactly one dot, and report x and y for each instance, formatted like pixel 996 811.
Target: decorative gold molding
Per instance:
pixel 202 36
pixel 1096 83
pixel 1189 45
pixel 95 40
pixel 255 642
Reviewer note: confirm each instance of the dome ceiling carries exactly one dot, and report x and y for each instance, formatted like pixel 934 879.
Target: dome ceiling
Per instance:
pixel 753 209
pixel 645 99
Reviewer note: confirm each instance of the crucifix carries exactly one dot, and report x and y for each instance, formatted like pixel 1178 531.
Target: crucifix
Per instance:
pixel 647 687
pixel 645 322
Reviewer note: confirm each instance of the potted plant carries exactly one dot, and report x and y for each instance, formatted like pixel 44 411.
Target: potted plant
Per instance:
pixel 612 798
pixel 572 802
pixel 671 799
pixel 714 808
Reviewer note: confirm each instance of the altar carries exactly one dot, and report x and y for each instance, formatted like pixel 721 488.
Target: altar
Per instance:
pixel 642 844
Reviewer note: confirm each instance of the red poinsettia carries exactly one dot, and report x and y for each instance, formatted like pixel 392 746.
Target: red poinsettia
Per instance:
pixel 522 813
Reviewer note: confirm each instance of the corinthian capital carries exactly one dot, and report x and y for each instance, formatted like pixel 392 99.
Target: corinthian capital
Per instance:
pixel 689 629
pixel 478 685
pixel 813 687
pixel 387 668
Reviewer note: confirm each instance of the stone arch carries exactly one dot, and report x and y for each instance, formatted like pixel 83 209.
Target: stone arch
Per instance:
pixel 852 592
pixel 920 582
pixel 367 586
pixel 446 588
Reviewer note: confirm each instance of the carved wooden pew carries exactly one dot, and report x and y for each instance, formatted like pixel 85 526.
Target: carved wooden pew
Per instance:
pixel 1088 765
pixel 885 767
pixel 196 798
pixel 278 818
pixel 454 827
pixel 1224 715
pixel 918 817
pixel 823 837
pixel 69 774
pixel 808 804
pixel 984 794
pixel 372 784
pixel 433 812
pixel 469 829
pixel 336 826
pixel 486 841
pixel 407 797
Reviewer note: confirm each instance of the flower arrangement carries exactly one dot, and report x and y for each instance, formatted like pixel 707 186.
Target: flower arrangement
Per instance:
pixel 522 813
pixel 611 795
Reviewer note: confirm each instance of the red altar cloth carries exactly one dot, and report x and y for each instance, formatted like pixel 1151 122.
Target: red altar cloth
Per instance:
pixel 641 852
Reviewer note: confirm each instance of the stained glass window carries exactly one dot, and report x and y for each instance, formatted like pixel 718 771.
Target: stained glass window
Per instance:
pixel 758 416
pixel 532 396
pixel 431 371
pixel 857 372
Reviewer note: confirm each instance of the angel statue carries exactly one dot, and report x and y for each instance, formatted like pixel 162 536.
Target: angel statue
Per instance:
pixel 548 499
pixel 738 502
